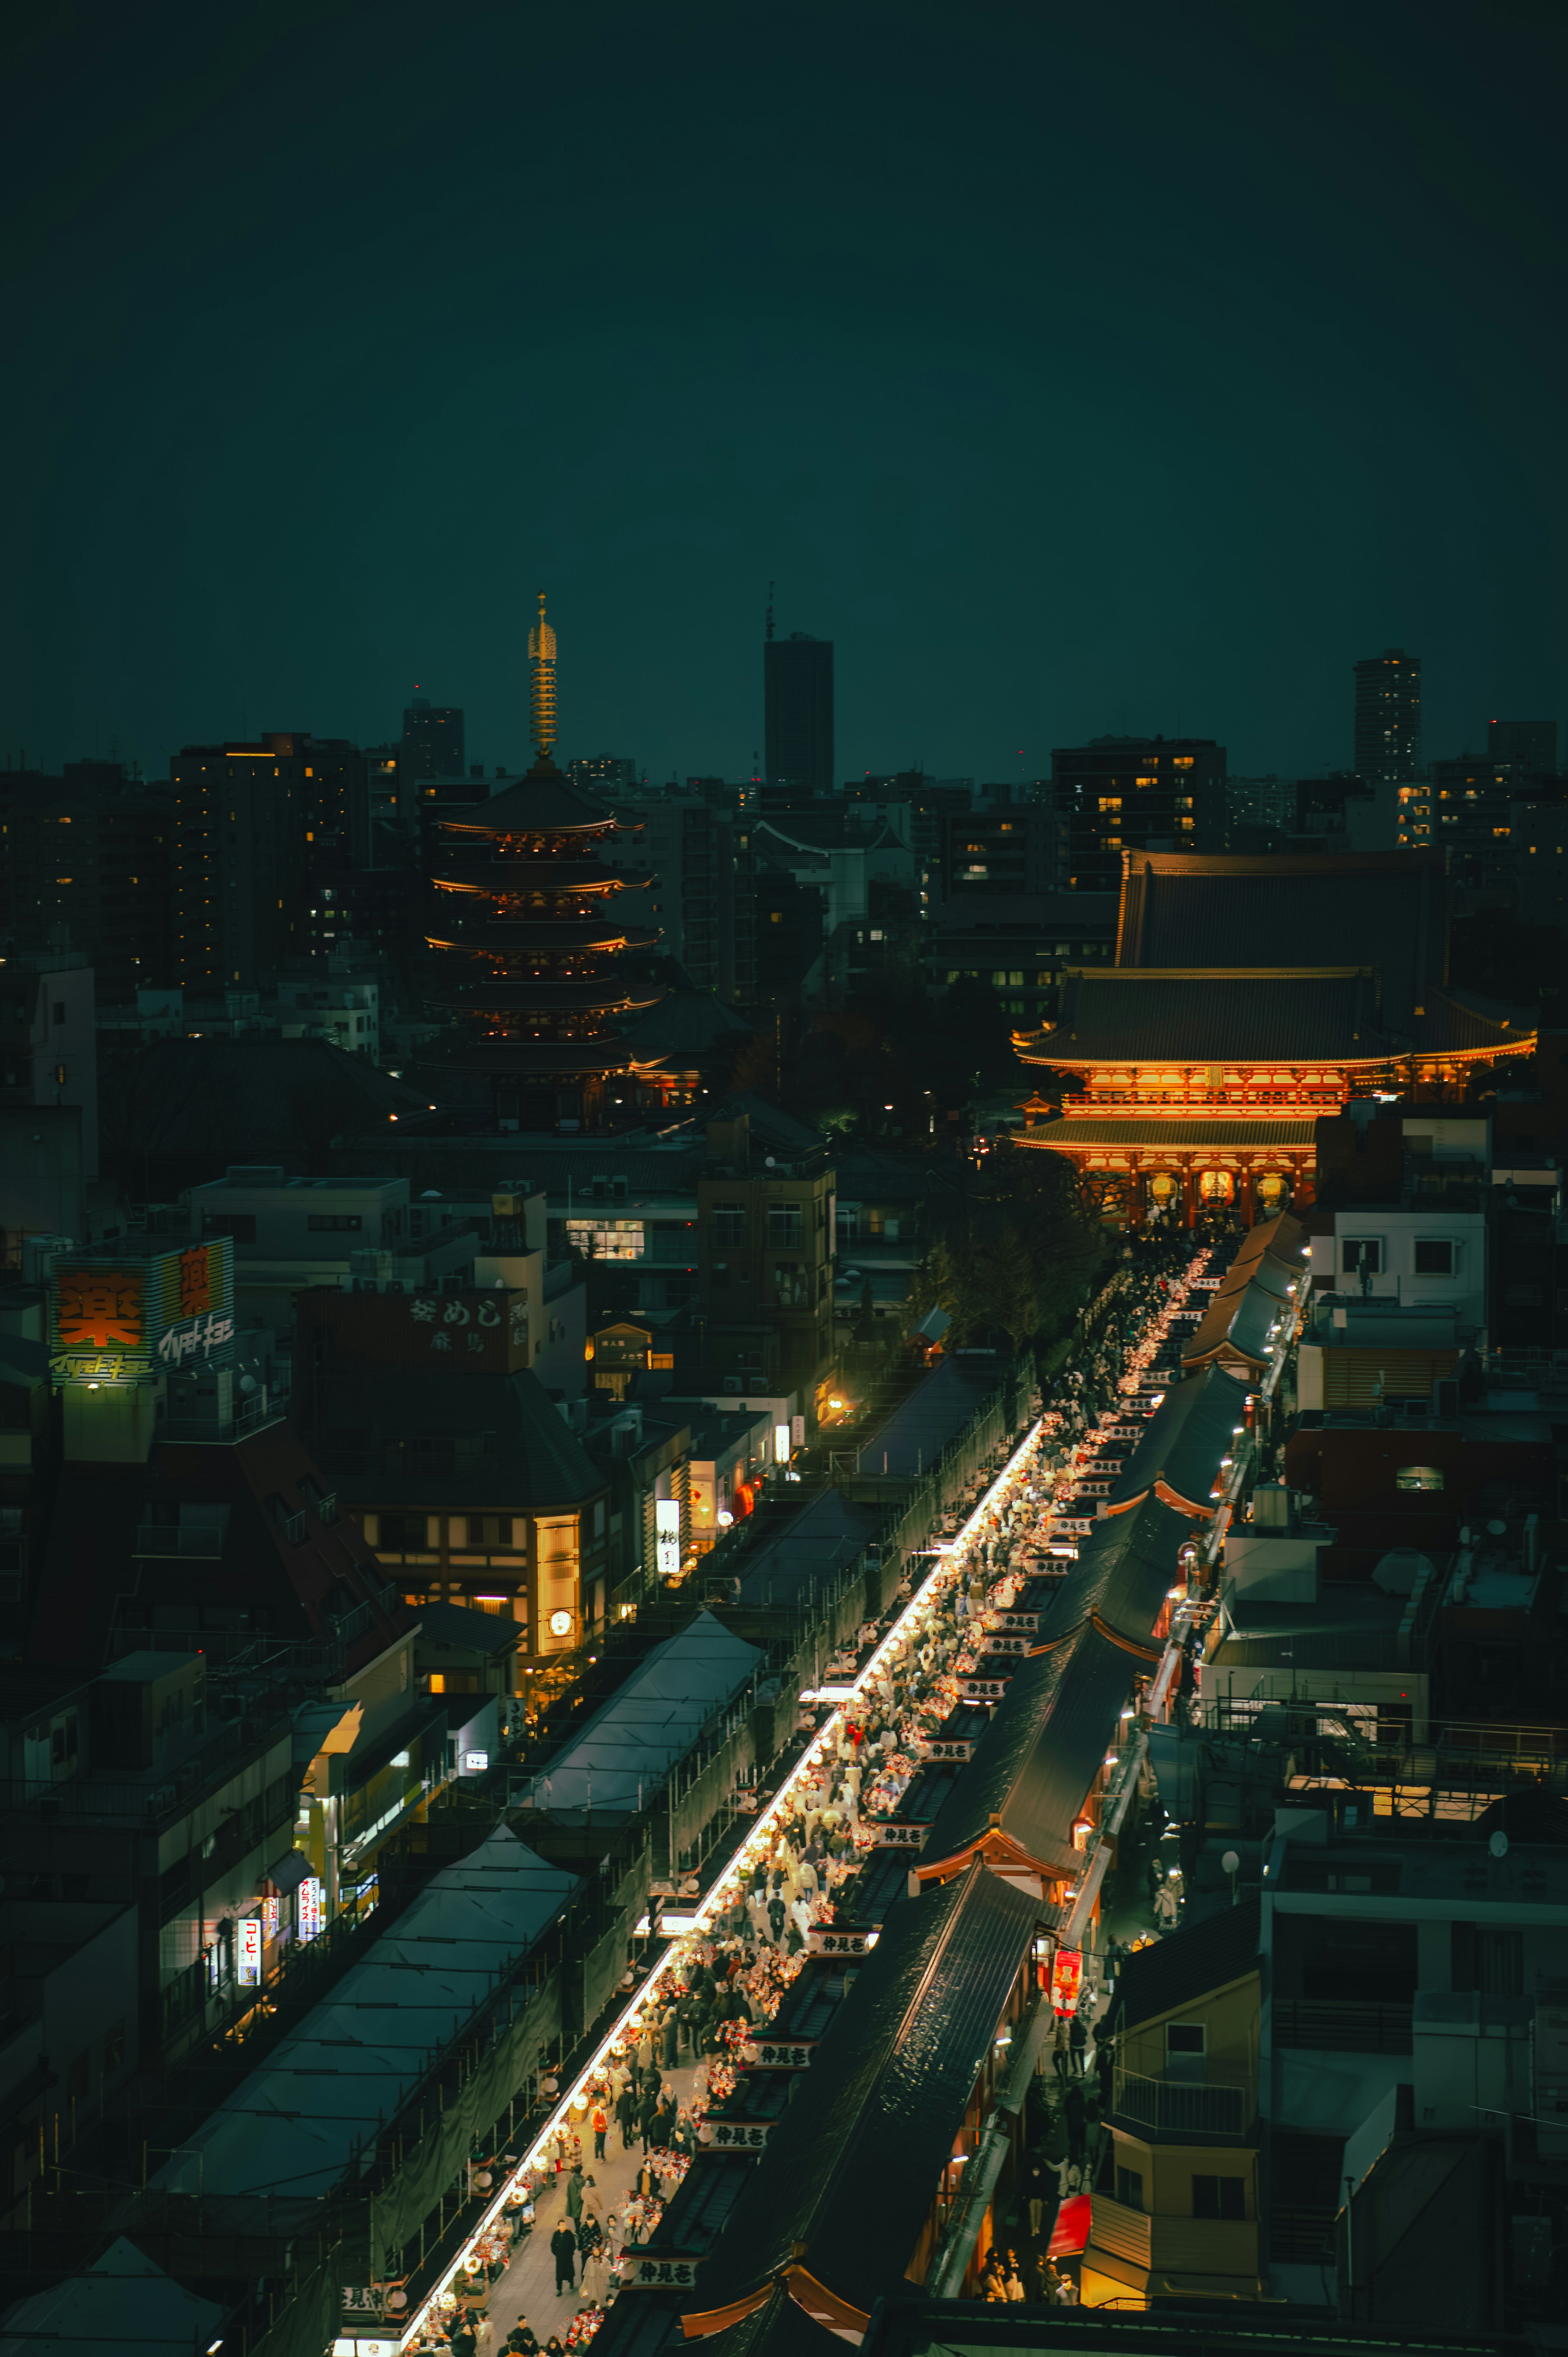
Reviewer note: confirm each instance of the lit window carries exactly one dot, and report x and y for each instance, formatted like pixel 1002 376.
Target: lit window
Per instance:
pixel 1418 1477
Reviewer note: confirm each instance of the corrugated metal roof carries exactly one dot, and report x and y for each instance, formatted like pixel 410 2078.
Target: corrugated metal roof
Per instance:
pixel 297 2125
pixel 1145 1129
pixel 630 1745
pixel 919 1429
pixel 820 1540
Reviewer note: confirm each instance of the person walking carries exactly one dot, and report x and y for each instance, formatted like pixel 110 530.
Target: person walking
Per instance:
pixel 1059 2048
pixel 1034 2183
pixel 671 2038
pixel 1075 2116
pixel 574 2197
pixel 564 2251
pixel 625 2112
pixel 599 2121
pixel 1077 2042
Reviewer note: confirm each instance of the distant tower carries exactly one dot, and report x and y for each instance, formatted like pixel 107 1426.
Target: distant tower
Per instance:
pixel 798 710
pixel 542 664
pixel 534 926
pixel 1388 718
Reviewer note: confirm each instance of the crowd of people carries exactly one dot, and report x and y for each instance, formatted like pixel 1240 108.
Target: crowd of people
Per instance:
pixel 721 1985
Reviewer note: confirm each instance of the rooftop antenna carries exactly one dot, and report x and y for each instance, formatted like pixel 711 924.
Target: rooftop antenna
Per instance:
pixel 770 609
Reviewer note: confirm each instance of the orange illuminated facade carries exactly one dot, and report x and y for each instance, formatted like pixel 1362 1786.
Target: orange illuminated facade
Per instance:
pixel 1180 1084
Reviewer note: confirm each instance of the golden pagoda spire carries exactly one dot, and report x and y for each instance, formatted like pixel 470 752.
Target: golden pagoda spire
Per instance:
pixel 542 663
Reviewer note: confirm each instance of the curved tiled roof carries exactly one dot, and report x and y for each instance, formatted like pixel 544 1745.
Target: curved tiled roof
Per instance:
pixel 541 803
pixel 1112 1015
pixel 1193 909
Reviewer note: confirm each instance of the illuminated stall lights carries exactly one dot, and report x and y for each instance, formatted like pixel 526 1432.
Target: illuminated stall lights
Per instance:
pixel 698 1922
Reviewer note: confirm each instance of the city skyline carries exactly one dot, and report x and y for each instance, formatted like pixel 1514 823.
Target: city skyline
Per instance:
pixel 1066 423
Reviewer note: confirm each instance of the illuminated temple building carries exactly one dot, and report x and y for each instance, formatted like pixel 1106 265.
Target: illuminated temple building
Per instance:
pixel 535 930
pixel 1250 998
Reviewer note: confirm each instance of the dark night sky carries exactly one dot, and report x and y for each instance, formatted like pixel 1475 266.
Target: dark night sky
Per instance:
pixel 1075 371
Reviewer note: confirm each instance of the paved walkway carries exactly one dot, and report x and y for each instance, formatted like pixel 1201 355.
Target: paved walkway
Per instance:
pixel 527 2290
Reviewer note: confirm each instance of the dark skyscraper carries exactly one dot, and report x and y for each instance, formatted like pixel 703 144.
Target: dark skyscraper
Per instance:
pixel 1388 718
pixel 432 740
pixel 1530 745
pixel 798 711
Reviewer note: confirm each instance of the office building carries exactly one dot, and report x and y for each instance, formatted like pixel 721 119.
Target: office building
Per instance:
pixel 694 858
pixel 1529 745
pixel 90 851
pixel 766 1242
pixel 48 1068
pixel 604 773
pixel 1134 794
pixel 999 853
pixel 1388 717
pixel 432 740
pixel 241 876
pixel 797 712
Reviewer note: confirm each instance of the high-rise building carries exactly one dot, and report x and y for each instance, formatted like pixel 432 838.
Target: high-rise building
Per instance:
pixel 432 740
pixel 534 934
pixel 1530 745
pixel 798 711
pixel 1388 718
pixel 1133 793
pixel 604 773
pixel 243 874
pixel 90 851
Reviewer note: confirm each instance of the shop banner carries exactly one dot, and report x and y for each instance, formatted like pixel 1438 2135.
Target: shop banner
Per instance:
pixel 982 1689
pixel 778 2054
pixel 739 2136
pixel 901 1837
pixel 830 1940
pixel 645 2273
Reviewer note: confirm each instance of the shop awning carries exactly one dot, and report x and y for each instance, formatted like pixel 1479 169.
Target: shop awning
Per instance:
pixel 298 2125
pixel 617 1763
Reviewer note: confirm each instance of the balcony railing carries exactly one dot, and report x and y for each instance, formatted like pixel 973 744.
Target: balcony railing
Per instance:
pixel 204 1540
pixel 1177 2107
pixel 1343 2025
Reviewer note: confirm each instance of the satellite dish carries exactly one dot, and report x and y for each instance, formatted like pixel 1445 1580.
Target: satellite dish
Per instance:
pixel 767 1158
pixel 1496 1530
pixel 1231 1861
pixel 1499 1843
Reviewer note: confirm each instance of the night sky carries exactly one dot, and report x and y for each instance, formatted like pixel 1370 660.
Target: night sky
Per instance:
pixel 1075 371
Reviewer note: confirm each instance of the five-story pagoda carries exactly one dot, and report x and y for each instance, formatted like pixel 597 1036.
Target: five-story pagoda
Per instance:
pixel 534 926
